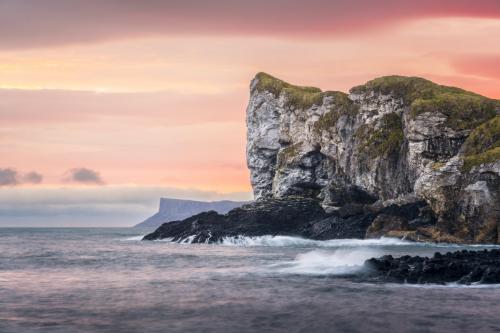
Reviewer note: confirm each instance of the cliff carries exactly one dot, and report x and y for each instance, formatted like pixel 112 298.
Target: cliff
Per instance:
pixel 393 141
pixel 397 156
pixel 178 209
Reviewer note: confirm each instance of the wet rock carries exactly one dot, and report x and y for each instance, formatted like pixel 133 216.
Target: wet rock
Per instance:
pixel 463 267
pixel 290 216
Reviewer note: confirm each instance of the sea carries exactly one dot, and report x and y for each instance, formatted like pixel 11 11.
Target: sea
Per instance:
pixel 75 280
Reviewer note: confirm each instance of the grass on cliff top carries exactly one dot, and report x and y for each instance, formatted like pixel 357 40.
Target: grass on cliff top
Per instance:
pixel 298 97
pixel 341 105
pixel 483 144
pixel 463 109
pixel 383 141
pixel 305 97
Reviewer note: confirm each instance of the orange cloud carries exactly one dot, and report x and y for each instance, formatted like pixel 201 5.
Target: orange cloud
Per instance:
pixel 155 108
pixel 171 110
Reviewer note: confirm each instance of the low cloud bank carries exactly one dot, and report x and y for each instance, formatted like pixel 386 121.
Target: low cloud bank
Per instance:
pixel 92 206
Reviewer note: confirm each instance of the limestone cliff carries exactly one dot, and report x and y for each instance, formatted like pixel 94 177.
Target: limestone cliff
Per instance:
pixel 394 140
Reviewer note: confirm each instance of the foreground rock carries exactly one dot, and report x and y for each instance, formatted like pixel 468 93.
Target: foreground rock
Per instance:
pixel 463 267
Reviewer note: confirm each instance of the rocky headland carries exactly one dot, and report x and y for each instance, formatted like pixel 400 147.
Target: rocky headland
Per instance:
pixel 398 157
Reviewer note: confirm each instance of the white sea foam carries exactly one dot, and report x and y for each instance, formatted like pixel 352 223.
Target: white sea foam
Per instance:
pixel 288 241
pixel 134 238
pixel 322 262
pixel 188 240
pixel 475 285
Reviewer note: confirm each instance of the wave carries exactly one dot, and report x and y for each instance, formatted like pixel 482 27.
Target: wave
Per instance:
pixel 321 262
pixel 289 241
pixel 134 238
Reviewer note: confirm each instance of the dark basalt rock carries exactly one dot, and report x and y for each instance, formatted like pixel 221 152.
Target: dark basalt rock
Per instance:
pixel 404 218
pixel 288 216
pixel 463 267
pixel 337 227
pixel 291 216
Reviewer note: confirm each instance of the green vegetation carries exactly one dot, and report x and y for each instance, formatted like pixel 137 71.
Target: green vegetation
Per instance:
pixel 298 97
pixel 341 105
pixel 488 156
pixel 483 144
pixel 463 109
pixel 287 154
pixel 385 140
pixel 483 137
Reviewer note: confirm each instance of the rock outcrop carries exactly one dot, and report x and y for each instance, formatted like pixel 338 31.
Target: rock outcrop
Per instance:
pixel 288 216
pixel 463 267
pixel 291 216
pixel 391 142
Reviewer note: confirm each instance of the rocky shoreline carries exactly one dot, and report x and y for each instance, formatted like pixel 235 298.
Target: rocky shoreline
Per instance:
pixel 461 267
pixel 296 216
pixel 396 157
pixel 304 217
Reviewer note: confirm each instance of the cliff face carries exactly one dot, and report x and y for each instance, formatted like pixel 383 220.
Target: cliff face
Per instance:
pixel 393 140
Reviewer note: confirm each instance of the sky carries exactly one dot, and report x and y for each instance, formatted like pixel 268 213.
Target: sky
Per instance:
pixel 108 105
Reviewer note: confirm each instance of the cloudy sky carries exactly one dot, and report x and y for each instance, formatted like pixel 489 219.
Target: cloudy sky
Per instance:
pixel 106 105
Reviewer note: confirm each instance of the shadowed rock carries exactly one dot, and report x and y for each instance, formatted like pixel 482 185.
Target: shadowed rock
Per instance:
pixel 263 217
pixel 291 216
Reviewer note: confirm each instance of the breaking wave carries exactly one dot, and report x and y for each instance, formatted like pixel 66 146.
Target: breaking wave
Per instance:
pixel 134 238
pixel 288 241
pixel 321 262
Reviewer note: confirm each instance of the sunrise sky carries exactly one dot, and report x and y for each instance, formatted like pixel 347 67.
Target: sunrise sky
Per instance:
pixel 107 105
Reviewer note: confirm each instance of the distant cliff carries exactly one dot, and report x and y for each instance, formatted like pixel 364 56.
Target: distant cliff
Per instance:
pixel 178 209
pixel 393 140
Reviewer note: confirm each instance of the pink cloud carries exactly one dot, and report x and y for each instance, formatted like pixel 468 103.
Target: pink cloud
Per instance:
pixel 485 65
pixel 159 108
pixel 43 23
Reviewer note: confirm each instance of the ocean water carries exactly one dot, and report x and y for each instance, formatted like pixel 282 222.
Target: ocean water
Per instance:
pixel 107 280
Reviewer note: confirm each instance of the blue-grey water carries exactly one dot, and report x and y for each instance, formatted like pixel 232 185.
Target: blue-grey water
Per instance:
pixel 106 280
